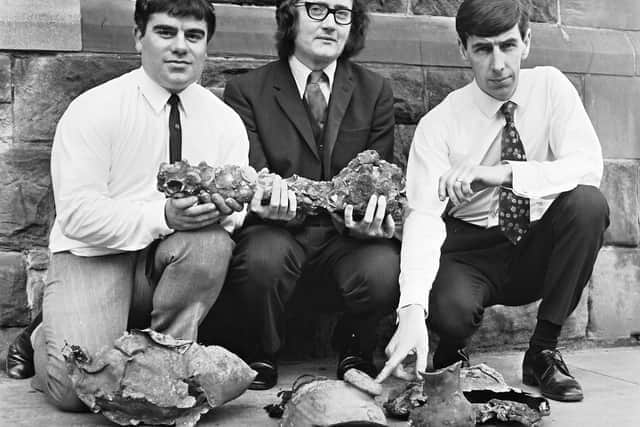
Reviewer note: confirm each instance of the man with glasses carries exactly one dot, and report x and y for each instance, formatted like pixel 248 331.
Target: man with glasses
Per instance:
pixel 310 113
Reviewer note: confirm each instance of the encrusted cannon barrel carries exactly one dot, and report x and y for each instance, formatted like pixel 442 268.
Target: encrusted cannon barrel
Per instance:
pixel 365 175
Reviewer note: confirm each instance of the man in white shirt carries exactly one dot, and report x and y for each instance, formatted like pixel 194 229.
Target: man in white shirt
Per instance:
pixel 122 255
pixel 502 183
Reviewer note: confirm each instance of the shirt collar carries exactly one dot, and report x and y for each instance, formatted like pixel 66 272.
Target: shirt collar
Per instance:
pixel 490 106
pixel 157 96
pixel 301 73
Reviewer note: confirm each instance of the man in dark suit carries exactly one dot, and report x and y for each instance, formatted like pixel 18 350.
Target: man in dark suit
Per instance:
pixel 310 113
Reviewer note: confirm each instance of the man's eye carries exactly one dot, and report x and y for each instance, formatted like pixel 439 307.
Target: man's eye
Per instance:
pixel 317 9
pixel 194 37
pixel 165 33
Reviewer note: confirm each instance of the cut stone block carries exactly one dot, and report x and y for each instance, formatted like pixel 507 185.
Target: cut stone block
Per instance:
pixel 40 25
pixel 44 87
pixel 6 122
pixel 218 71
pixel 407 83
pixel 613 104
pixel 402 144
pixel 5 78
pixel 615 294
pixel 625 15
pixel 507 326
pixel 621 187
pixel 26 198
pixel 442 81
pixel 541 10
pixel 14 310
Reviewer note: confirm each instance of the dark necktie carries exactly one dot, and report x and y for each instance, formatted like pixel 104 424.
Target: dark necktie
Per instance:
pixel 316 101
pixel 175 129
pixel 514 210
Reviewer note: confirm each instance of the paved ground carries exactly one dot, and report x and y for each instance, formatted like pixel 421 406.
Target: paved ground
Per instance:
pixel 609 376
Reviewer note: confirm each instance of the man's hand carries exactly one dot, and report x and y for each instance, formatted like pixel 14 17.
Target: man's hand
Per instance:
pixel 375 223
pixel 410 336
pixel 186 214
pixel 281 207
pixel 461 181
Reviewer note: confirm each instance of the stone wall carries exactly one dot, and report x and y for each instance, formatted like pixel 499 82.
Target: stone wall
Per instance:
pixel 52 51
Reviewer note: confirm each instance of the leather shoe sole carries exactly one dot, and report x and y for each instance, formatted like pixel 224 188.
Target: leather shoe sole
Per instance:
pixel 267 376
pixel 572 395
pixel 548 371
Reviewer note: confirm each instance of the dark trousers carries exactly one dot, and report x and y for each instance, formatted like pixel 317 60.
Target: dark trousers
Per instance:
pixel 274 267
pixel 479 267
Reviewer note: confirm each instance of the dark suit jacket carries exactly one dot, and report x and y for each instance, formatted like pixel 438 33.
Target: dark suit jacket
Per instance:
pixel 360 116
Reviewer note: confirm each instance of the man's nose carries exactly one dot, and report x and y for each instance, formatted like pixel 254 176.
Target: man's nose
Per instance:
pixel 179 43
pixel 497 60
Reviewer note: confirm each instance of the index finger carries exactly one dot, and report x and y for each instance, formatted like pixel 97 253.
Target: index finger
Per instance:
pixel 393 361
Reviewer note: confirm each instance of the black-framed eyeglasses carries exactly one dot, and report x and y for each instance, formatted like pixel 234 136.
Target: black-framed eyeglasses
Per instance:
pixel 320 11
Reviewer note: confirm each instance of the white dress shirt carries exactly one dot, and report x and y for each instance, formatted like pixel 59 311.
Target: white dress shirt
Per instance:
pixel 106 152
pixel 301 74
pixel 560 143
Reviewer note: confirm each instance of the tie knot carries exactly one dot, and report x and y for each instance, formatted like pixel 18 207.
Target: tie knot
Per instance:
pixel 316 77
pixel 174 100
pixel 507 110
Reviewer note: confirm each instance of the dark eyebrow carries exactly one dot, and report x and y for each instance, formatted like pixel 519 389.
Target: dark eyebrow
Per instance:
pixel 195 31
pixel 162 27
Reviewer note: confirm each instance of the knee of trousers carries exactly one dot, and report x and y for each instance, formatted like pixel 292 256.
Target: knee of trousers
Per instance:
pixel 266 260
pixel 202 253
pixel 454 317
pixel 374 288
pixel 587 208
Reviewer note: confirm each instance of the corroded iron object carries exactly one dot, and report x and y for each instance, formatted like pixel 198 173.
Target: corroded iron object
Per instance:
pixel 492 399
pixel 319 401
pixel 364 176
pixel 150 378
pixel 445 404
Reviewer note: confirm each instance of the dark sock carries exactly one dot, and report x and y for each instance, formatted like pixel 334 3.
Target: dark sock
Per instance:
pixel 545 336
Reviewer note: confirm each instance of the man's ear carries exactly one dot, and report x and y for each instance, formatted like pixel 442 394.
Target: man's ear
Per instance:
pixel 463 50
pixel 137 37
pixel 527 44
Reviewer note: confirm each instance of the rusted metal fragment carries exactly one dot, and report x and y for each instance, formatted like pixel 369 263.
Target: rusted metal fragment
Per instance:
pixel 151 378
pixel 492 398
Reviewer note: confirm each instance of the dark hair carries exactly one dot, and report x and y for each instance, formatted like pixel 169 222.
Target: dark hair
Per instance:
pixel 287 20
pixel 488 18
pixel 198 9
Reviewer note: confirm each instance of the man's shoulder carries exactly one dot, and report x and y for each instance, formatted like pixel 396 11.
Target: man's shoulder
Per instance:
pixel 212 102
pixel 256 77
pixel 105 97
pixel 363 75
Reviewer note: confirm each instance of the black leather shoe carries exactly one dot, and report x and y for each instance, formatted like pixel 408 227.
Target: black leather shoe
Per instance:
pixel 267 375
pixel 20 353
pixel 547 370
pixel 446 356
pixel 364 364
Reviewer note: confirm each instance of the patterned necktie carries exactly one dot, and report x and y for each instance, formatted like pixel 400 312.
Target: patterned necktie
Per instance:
pixel 315 99
pixel 175 129
pixel 514 210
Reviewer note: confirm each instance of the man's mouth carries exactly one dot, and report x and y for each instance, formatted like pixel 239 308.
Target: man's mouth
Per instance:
pixel 500 81
pixel 178 62
pixel 326 39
